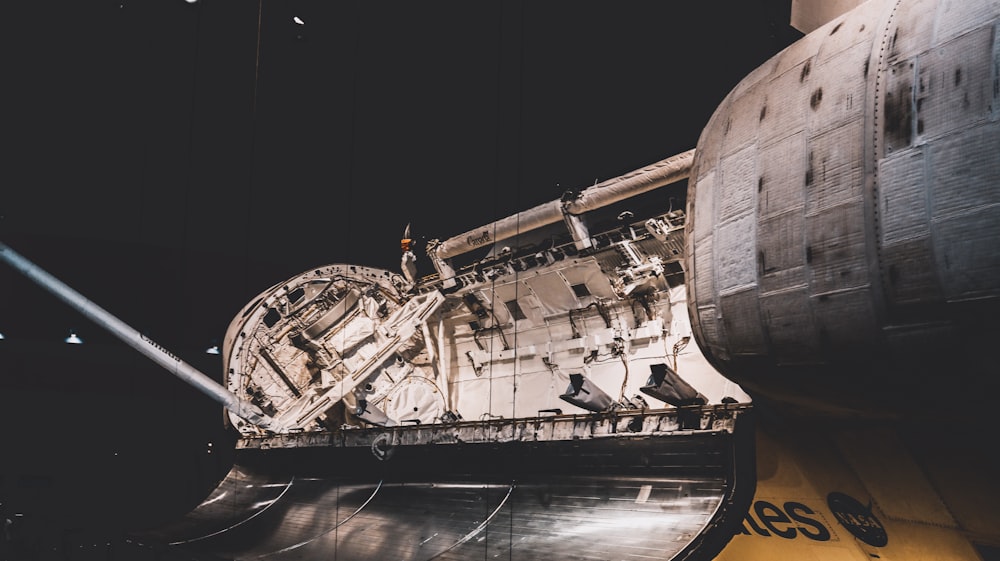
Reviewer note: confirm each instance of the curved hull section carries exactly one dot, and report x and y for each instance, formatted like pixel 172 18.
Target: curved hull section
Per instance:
pixel 843 213
pixel 654 495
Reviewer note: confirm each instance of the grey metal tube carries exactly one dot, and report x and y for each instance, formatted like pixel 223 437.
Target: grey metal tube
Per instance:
pixel 654 176
pixel 136 340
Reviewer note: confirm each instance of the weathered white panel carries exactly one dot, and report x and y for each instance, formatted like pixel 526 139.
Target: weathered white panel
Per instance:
pixel 514 291
pixel 849 31
pixel 834 176
pixel 587 274
pixel 781 252
pixel 782 175
pixel 803 50
pixel 954 17
pixel 500 396
pixel 704 279
pixel 846 319
pixel 896 115
pixel 741 316
pixel 965 172
pixel 967 256
pixel 735 263
pixel 954 84
pixel 995 74
pixel 837 95
pixel 712 331
pixel 787 101
pixel 558 295
pixel 494 302
pixel 744 117
pixel 737 185
pixel 914 26
pixel 911 272
pixel 835 253
pixel 903 212
pixel 704 207
pixel 545 390
pixel 790 327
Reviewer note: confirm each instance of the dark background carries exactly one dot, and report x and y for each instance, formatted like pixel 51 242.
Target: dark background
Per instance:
pixel 170 160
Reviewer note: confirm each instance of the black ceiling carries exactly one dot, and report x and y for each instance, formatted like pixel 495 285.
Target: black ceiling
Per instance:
pixel 171 159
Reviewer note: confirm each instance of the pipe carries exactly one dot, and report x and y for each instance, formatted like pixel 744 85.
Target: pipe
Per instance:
pixel 654 176
pixel 138 341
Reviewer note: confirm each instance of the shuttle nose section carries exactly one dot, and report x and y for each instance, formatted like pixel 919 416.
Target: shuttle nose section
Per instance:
pixel 843 212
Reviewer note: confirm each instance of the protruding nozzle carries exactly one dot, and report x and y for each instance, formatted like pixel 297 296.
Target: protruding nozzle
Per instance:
pixel 406 244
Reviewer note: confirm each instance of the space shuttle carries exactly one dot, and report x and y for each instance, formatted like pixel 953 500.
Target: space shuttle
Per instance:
pixel 775 345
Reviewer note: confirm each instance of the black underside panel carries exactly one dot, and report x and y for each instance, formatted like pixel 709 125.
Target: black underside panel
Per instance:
pixel 646 499
pixel 252 516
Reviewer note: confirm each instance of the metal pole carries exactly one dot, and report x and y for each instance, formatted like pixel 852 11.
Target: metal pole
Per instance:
pixel 138 341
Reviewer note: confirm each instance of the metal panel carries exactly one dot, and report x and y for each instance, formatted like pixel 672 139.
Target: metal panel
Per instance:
pixel 911 273
pixel 741 316
pixel 846 320
pixel 967 257
pixel 645 497
pixel 782 175
pixel 903 212
pixel 836 253
pixel 965 203
pixel 787 100
pixel 735 262
pixel 738 185
pixel 558 295
pixel 834 173
pixel 896 115
pixel 906 259
pixel 712 330
pixel 704 282
pixel 853 29
pixel 835 101
pixel 951 22
pixel 914 28
pixel 746 113
pixel 704 210
pixel 781 252
pixel 954 89
pixel 965 172
pixel 790 326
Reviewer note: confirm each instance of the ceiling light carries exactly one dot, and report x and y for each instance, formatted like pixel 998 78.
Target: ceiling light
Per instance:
pixel 73 339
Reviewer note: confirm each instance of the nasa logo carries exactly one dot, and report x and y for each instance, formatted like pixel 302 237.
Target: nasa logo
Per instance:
pixel 857 519
pixel 791 520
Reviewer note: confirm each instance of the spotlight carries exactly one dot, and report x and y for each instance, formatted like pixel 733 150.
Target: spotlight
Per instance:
pixel 2 337
pixel 666 385
pixel 584 394
pixel 213 350
pixel 73 338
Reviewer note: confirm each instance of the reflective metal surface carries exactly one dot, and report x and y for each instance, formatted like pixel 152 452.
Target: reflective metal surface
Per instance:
pixel 666 496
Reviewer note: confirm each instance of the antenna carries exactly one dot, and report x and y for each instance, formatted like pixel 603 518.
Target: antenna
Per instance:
pixel 136 340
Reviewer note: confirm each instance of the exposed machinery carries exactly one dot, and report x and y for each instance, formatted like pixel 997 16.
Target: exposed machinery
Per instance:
pixel 749 374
